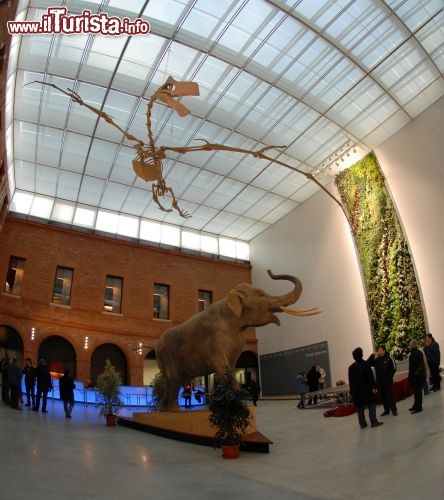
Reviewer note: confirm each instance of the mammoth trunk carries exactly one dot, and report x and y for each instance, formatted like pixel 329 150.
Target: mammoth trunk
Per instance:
pixel 290 297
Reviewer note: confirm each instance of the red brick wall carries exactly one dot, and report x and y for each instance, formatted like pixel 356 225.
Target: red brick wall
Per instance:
pixel 93 258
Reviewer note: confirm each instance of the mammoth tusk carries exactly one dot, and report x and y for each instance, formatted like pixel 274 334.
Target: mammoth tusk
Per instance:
pixel 301 312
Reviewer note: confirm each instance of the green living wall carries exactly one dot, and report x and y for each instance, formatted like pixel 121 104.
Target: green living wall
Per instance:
pixel 393 298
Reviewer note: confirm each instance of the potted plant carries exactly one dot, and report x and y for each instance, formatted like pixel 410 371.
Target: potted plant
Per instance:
pixel 109 396
pixel 229 413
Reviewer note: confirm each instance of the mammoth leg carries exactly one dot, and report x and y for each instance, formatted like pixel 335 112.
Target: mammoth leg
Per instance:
pixel 223 364
pixel 169 401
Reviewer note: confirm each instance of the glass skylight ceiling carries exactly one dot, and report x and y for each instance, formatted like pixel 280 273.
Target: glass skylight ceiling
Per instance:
pixel 324 78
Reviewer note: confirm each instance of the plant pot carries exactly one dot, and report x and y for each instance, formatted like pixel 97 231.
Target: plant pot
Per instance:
pixel 230 450
pixel 111 420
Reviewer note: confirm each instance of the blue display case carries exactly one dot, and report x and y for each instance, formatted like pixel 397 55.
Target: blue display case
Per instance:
pixel 132 396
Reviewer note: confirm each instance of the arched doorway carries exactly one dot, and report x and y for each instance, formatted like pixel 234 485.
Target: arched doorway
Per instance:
pixel 11 343
pixel 59 354
pixel 247 367
pixel 150 367
pixel 115 355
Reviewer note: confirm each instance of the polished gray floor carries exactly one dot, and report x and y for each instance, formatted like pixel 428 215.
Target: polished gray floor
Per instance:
pixel 46 456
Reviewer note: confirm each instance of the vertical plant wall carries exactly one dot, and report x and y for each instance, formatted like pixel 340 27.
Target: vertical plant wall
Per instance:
pixel 393 298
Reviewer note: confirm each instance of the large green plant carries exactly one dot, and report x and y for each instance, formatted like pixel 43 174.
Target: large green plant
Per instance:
pixel 228 407
pixel 393 298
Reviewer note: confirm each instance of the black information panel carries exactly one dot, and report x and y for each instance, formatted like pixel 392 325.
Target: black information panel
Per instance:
pixel 279 369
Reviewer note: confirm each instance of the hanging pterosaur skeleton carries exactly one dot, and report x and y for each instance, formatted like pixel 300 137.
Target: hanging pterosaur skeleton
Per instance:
pixel 148 162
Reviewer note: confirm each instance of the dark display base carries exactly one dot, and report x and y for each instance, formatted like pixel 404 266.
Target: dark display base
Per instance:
pixel 254 441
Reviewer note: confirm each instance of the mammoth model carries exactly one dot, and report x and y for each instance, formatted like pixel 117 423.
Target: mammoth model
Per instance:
pixel 212 339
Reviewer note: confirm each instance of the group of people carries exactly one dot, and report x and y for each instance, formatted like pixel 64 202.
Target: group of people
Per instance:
pixel 312 381
pixel 424 368
pixel 376 374
pixel 364 385
pixel 38 383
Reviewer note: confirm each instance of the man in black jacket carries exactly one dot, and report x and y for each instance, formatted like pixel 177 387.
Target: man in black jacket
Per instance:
pixel 29 372
pixel 433 355
pixel 417 375
pixel 385 369
pixel 44 385
pixel 67 386
pixel 363 388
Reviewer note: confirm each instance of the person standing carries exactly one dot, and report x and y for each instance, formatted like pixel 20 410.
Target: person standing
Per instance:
pixel 385 370
pixel 301 388
pixel 321 379
pixel 427 379
pixel 433 355
pixel 44 385
pixel 363 388
pixel 254 389
pixel 187 393
pixel 14 380
pixel 29 373
pixel 67 386
pixel 416 375
pixel 5 384
pixel 313 377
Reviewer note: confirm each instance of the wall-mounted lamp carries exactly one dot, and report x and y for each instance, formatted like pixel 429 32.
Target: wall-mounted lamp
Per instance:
pixel 139 348
pixel 85 343
pixel 33 333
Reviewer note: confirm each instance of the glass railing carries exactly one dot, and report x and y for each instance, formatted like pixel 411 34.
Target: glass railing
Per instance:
pixel 132 396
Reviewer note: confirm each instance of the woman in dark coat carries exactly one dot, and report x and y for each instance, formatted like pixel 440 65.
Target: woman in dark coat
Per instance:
pixel 67 386
pixel 363 388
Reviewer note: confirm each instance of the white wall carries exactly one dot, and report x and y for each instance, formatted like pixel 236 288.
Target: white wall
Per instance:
pixel 314 243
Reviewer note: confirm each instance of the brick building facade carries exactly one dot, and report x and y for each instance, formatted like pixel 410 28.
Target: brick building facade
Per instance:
pixel 33 323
